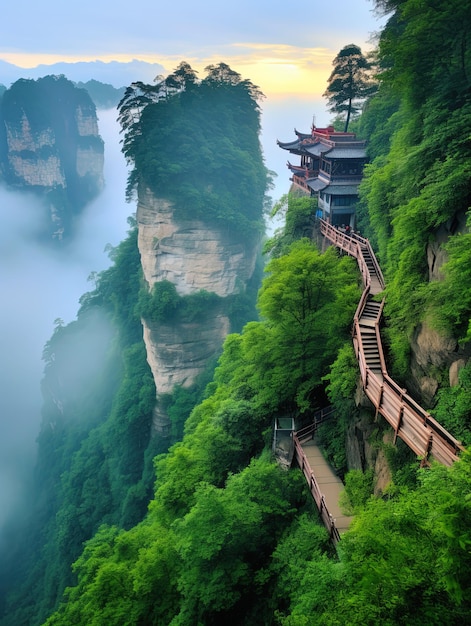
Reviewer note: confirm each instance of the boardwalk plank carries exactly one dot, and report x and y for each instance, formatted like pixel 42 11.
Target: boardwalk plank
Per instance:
pixel 330 484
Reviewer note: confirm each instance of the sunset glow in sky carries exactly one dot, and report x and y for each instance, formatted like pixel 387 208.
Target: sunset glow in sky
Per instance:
pixel 281 47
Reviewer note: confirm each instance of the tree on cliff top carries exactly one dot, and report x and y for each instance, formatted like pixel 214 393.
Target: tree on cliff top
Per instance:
pixel 196 143
pixel 349 83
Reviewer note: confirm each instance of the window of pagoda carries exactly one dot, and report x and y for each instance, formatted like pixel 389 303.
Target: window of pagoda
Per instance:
pixel 347 167
pixel 345 201
pixel 325 166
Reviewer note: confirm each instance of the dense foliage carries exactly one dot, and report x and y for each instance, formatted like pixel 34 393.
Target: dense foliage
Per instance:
pixel 298 213
pixel 196 143
pixel 416 189
pixel 404 561
pixel 96 447
pixel 43 100
pixel 229 537
pixel 203 554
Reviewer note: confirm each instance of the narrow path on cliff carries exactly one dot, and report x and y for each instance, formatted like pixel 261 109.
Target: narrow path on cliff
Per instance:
pixel 413 424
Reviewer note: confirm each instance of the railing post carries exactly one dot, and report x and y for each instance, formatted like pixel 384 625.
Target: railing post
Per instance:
pixel 428 448
pixel 380 400
pixel 399 423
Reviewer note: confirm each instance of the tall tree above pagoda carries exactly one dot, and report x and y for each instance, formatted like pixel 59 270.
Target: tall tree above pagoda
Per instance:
pixel 349 83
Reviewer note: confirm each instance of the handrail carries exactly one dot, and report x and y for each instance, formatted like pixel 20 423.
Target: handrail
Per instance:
pixel 413 424
pixel 320 416
pixel 379 273
pixel 314 488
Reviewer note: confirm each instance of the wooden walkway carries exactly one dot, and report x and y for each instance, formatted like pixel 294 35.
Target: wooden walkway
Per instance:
pixel 415 426
pixel 329 483
pixel 325 486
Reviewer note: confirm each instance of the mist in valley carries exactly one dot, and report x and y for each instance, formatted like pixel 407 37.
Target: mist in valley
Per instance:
pixel 39 286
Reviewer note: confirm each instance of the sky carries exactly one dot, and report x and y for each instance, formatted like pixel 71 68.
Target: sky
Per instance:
pixel 286 50
pixel 281 47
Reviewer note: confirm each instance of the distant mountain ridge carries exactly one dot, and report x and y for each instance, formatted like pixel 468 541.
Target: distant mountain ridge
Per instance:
pixel 115 73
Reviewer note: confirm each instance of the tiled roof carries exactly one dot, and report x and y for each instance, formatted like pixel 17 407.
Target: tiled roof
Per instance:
pixel 316 149
pixel 297 169
pixel 341 190
pixel 303 135
pixel 346 153
pixel 289 145
pixel 316 185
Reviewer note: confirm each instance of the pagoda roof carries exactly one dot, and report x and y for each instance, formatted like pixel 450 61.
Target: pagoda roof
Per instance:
pixel 303 135
pixel 346 152
pixel 341 190
pixel 316 184
pixel 316 149
pixel 315 146
pixel 297 169
pixel 290 145
pixel 335 189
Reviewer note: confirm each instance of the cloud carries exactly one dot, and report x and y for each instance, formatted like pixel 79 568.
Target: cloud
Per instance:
pixel 197 32
pixel 150 27
pixel 39 285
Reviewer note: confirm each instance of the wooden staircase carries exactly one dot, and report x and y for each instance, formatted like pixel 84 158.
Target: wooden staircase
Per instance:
pixel 368 322
pixel 376 281
pixel 413 424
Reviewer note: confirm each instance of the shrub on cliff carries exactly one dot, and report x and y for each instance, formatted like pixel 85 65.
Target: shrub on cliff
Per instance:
pixel 164 304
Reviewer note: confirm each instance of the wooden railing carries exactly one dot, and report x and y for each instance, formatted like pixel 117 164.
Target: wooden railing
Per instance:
pixel 314 488
pixel 354 245
pixel 299 437
pixel 307 432
pixel 413 424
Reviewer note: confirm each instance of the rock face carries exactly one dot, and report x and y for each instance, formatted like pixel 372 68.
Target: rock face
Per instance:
pixel 50 144
pixel 431 351
pixel 193 257
pixel 23 150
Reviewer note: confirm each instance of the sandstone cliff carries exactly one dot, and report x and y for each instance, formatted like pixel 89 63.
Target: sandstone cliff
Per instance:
pixel 50 144
pixel 432 351
pixel 194 257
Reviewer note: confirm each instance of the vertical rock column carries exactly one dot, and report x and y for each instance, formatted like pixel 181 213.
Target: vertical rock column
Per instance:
pixel 193 256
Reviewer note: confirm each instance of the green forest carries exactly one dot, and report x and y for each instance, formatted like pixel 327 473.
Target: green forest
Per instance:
pixel 196 142
pixel 206 528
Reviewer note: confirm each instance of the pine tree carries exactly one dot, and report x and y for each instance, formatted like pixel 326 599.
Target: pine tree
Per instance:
pixel 349 83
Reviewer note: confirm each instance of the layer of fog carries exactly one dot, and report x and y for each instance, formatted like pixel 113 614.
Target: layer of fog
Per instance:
pixel 40 286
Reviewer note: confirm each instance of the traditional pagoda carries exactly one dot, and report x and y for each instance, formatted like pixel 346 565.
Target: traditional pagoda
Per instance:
pixel 331 168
